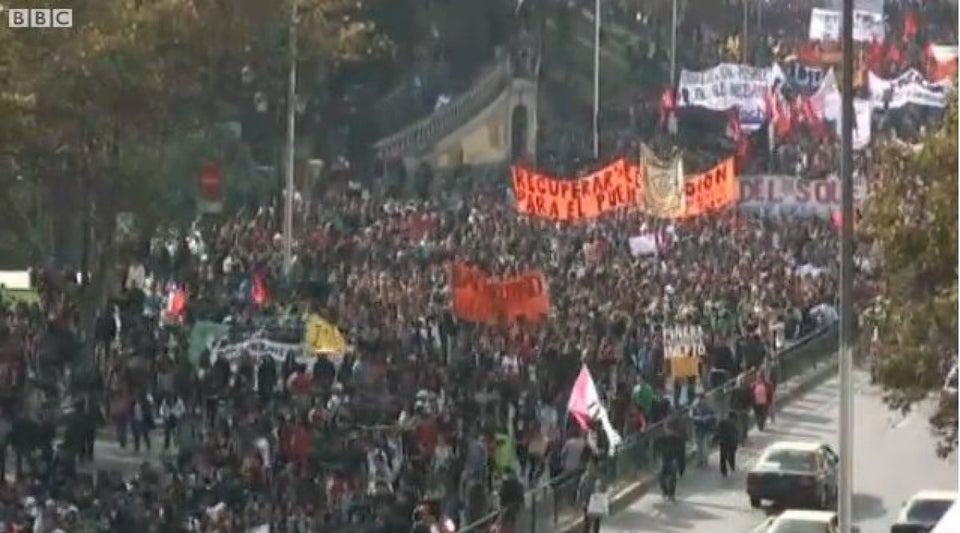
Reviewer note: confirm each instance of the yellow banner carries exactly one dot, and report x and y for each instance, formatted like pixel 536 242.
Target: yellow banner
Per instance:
pixel 322 337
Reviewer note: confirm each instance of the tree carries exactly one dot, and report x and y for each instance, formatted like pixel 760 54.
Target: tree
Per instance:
pixel 911 218
pixel 133 76
pixel 92 110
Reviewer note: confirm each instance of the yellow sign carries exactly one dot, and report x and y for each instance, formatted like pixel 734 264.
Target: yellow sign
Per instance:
pixel 322 337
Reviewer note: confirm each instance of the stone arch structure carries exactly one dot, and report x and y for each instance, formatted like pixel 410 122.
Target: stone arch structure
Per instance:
pixel 504 130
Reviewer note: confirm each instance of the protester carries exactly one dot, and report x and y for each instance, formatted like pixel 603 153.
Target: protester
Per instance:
pixel 704 425
pixel 728 440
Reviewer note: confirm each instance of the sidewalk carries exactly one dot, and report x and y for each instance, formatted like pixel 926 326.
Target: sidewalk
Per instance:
pixel 625 494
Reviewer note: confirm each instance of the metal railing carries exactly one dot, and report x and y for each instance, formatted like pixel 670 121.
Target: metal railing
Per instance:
pixel 552 506
pixel 412 99
pixel 432 128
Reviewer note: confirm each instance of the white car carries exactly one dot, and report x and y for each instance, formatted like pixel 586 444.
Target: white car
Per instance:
pixel 923 510
pixel 801 521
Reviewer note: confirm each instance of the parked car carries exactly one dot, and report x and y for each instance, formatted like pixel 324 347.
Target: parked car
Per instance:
pixel 801 521
pixel 923 510
pixel 796 475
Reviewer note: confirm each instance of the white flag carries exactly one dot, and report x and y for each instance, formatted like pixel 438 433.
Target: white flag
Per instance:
pixel 585 406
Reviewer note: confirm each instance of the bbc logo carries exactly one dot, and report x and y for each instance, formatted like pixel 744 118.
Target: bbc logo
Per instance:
pixel 40 18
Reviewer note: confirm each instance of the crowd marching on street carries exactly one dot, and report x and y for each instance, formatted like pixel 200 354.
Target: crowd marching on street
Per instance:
pixel 419 366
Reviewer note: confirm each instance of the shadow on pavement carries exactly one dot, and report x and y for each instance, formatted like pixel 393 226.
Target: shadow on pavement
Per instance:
pixel 809 418
pixel 668 516
pixel 866 506
pixel 787 434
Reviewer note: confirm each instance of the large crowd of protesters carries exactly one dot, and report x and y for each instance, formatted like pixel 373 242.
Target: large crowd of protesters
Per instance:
pixel 713 34
pixel 425 418
pixel 413 415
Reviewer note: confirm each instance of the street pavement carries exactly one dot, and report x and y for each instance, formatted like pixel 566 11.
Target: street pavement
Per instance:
pixel 108 455
pixel 895 458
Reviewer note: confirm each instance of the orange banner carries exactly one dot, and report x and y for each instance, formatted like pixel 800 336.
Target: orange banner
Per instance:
pixel 470 292
pixel 608 189
pixel 711 190
pixel 478 297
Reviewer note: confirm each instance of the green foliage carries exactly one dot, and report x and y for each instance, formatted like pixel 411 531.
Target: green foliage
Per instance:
pixel 110 106
pixel 912 219
pixel 182 163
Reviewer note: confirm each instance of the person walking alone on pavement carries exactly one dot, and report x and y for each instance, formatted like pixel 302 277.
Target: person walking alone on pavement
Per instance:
pixel 592 497
pixel 704 426
pixel 740 403
pixel 727 436
pixel 761 393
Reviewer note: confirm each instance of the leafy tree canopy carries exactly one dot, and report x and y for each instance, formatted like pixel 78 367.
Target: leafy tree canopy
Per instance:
pixel 102 105
pixel 107 110
pixel 912 220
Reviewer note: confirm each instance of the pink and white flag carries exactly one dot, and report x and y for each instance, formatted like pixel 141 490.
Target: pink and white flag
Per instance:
pixel 584 405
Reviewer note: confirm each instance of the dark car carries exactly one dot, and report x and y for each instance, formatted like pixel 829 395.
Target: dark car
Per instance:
pixel 795 475
pixel 922 512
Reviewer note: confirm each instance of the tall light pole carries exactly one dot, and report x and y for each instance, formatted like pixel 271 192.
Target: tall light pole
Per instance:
pixel 846 275
pixel 596 79
pixel 290 148
pixel 744 49
pixel 674 15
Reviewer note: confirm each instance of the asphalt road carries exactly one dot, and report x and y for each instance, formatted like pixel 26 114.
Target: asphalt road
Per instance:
pixel 895 457
pixel 109 456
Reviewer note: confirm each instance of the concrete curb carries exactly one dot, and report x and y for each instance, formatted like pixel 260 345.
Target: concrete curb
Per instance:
pixel 789 391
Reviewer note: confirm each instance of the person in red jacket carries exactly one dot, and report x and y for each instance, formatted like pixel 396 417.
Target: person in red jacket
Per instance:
pixel 667 106
pixel 761 396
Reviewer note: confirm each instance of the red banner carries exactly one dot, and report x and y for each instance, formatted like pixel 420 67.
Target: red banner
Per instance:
pixel 478 297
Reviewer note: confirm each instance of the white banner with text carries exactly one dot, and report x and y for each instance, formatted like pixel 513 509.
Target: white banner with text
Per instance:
pixel 825 25
pixel 726 86
pixel 790 196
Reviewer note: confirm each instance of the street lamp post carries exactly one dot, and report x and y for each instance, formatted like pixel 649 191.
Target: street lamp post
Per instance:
pixel 290 148
pixel 674 15
pixel 596 79
pixel 846 276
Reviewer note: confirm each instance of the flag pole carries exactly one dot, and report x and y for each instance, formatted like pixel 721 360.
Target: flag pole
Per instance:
pixel 847 119
pixel 596 79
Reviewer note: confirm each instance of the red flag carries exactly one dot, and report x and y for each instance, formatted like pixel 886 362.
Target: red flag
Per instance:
pixel 808 114
pixel 735 132
pixel 837 218
pixel 894 55
pixel 176 302
pixel 874 56
pixel 910 26
pixel 778 111
pixel 666 105
pixel 258 290
pixel 941 61
pixel 295 443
